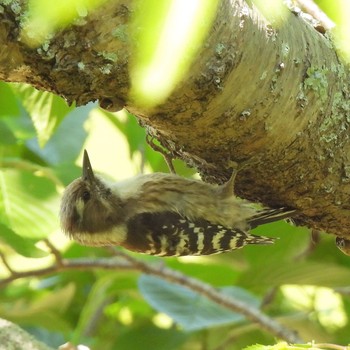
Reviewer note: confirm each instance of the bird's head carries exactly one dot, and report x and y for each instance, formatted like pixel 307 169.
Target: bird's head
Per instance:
pixel 88 204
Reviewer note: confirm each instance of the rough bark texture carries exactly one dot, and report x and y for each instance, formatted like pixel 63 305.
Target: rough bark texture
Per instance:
pixel 13 337
pixel 275 99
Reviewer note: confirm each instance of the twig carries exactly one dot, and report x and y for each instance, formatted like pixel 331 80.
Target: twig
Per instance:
pixel 310 7
pixel 6 264
pixel 167 156
pixel 70 264
pixel 130 263
pixel 213 294
pixel 54 251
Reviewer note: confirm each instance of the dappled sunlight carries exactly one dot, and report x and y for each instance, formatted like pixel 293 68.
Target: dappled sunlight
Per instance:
pixel 42 21
pixel 323 304
pixel 338 11
pixel 155 76
pixel 162 320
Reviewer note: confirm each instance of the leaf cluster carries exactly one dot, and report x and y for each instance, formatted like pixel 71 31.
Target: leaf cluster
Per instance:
pixel 302 281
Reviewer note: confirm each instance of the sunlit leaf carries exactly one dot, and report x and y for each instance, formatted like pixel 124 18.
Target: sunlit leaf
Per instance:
pixel 45 17
pixel 46 310
pixel 66 143
pixel 6 135
pixel 209 272
pixel 163 55
pixel 22 246
pixel 8 101
pixel 282 262
pixel 151 337
pixel 338 11
pixel 28 203
pixel 96 299
pixel 45 109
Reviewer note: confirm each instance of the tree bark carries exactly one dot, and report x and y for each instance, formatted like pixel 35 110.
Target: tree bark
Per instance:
pixel 272 98
pixel 14 337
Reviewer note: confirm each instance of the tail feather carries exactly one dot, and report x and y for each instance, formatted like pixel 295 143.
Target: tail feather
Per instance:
pixel 253 239
pixel 269 215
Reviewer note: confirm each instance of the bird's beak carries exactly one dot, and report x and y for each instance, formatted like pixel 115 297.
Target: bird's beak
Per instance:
pixel 88 174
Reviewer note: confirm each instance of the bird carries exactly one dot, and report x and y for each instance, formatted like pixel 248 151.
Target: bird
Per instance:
pixel 161 214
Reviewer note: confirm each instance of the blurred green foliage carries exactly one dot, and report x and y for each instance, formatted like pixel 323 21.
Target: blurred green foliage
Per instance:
pixel 41 142
pixel 339 11
pixel 41 21
pixel 119 309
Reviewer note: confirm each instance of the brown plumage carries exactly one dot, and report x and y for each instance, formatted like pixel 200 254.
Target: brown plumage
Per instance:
pixel 160 214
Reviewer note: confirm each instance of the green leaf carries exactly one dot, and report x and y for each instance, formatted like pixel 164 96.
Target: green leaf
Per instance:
pixel 41 21
pixel 258 347
pixel 151 337
pixel 302 273
pixel 22 246
pixel 281 263
pixel 47 309
pixel 209 272
pixel 65 144
pixel 8 101
pixel 191 310
pixel 6 135
pixel 136 137
pixel 46 109
pixel 96 299
pixel 134 133
pixel 28 203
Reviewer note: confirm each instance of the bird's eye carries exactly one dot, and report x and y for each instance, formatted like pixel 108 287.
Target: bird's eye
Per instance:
pixel 86 196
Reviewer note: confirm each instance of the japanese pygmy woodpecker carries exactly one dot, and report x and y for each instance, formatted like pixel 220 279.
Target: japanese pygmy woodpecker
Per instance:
pixel 161 214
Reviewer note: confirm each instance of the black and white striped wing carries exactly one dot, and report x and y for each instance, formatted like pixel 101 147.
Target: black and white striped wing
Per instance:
pixel 266 216
pixel 170 234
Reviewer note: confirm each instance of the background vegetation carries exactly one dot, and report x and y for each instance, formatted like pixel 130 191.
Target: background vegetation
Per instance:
pixel 303 281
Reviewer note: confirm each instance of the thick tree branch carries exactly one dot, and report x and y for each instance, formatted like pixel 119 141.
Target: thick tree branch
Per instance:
pixel 14 337
pixel 123 261
pixel 272 96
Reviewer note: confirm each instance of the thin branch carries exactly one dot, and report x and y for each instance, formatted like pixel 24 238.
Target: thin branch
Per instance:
pixel 67 265
pixel 342 290
pixel 213 294
pixel 6 264
pixel 130 263
pixel 55 252
pixel 310 7
pixel 167 155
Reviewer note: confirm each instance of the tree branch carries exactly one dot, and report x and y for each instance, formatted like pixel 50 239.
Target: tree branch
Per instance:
pixel 124 261
pixel 278 94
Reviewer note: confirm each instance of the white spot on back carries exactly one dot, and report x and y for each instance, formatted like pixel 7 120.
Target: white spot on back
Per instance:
pixel 182 246
pixel 233 242
pixel 197 230
pixel 128 187
pixel 200 242
pixel 216 239
pixel 164 244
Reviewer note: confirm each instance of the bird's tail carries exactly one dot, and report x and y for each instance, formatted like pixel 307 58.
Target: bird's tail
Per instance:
pixel 269 215
pixel 253 239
